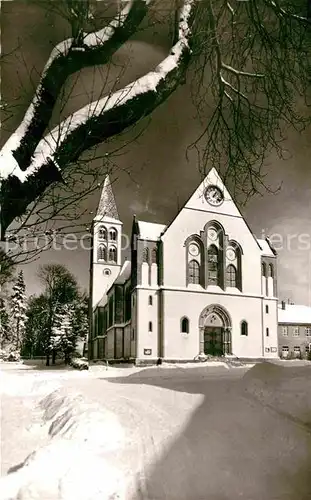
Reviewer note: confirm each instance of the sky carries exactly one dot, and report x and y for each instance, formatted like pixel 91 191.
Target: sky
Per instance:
pixel 161 177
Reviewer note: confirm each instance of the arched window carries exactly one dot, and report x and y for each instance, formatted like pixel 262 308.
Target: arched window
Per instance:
pixel 264 269
pixel 150 326
pixel 194 272
pixel 213 265
pixel 102 253
pixel 112 234
pixel 154 256
pixel 244 328
pixel 184 326
pixel 231 275
pixel 150 300
pixel 102 233
pixel 146 255
pixel 271 271
pixel 112 254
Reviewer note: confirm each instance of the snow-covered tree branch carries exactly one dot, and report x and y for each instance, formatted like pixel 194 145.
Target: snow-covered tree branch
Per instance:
pixel 247 63
pixel 28 165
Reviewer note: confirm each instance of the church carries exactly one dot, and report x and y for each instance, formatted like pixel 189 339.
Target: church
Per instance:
pixel 201 285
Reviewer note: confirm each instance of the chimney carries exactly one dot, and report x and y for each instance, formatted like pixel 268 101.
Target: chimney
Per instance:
pixel 283 305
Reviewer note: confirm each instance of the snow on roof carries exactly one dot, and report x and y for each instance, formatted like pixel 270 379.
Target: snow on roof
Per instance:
pixel 296 314
pixel 125 273
pixel 266 247
pixel 102 302
pixel 150 230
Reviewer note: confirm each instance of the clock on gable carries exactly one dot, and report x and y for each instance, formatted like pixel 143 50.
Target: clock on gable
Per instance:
pixel 214 195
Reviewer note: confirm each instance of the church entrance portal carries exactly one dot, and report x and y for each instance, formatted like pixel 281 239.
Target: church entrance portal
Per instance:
pixel 213 341
pixel 215 331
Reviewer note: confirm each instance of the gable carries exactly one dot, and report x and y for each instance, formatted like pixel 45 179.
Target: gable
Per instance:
pixel 198 200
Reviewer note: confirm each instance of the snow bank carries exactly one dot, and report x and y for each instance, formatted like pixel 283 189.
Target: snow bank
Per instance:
pixel 284 389
pixel 74 464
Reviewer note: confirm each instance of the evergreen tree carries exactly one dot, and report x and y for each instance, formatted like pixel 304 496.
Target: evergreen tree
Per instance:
pixel 18 310
pixel 4 323
pixel 35 340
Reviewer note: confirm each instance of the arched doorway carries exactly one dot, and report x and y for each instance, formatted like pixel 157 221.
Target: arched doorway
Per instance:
pixel 215 331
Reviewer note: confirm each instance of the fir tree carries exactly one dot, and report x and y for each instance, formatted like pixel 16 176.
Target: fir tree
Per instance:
pixel 4 323
pixel 18 309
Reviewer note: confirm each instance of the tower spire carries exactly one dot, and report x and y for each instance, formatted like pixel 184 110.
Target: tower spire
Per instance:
pixel 107 206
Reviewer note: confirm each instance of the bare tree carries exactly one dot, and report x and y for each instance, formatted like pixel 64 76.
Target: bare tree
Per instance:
pixel 247 60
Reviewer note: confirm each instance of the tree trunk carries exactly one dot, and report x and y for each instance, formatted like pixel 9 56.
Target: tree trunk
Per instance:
pixel 53 357
pixel 47 360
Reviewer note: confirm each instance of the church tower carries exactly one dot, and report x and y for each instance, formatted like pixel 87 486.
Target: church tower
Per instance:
pixel 106 247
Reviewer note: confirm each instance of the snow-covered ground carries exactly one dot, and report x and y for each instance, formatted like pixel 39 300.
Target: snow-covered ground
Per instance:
pixel 111 433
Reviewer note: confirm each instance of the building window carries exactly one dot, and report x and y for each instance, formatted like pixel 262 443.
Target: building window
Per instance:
pixel 213 265
pixel 112 254
pixel 150 300
pixel 102 233
pixel 184 325
pixel 146 255
pixel 244 328
pixel 154 256
pixel 271 271
pixel 112 234
pixel 297 350
pixel 263 269
pixel 267 309
pixel 231 275
pixel 102 253
pixel 284 331
pixel 307 348
pixel 308 331
pixel 150 326
pixel 194 272
pixel 296 331
pixel 267 332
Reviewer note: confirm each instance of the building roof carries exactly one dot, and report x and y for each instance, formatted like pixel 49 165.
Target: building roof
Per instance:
pixel 266 247
pixel 150 230
pixel 125 273
pixel 294 314
pixel 107 206
pixel 102 302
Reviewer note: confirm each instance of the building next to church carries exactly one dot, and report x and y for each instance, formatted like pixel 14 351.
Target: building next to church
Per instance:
pixel 294 325
pixel 203 284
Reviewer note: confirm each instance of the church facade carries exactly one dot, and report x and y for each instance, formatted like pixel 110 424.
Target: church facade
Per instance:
pixel 201 285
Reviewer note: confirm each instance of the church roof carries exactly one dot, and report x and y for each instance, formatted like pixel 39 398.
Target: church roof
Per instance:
pixel 295 314
pixel 150 230
pixel 125 273
pixel 107 206
pixel 266 247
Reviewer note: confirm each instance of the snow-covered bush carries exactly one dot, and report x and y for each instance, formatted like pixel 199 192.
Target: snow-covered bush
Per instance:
pixel 80 363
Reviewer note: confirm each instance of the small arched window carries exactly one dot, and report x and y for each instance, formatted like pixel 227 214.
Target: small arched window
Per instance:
pixel 184 327
pixel 146 255
pixel 102 252
pixel 102 233
pixel 244 328
pixel 271 271
pixel 150 300
pixel 213 265
pixel 112 254
pixel 154 256
pixel 112 234
pixel 194 272
pixel 150 326
pixel 231 275
pixel 264 269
